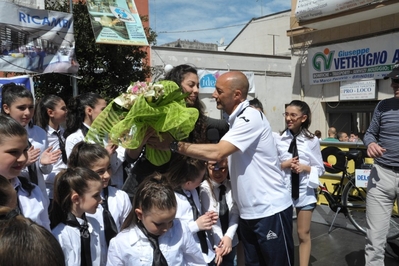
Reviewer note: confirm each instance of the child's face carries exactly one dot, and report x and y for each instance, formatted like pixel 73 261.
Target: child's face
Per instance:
pixel 157 221
pixel 103 168
pixel 13 155
pixel 98 108
pixel 218 171
pixel 59 113
pixel 22 110
pixel 190 185
pixel 89 201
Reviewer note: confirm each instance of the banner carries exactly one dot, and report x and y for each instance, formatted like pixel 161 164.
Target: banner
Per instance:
pixel 371 58
pixel 24 81
pixel 36 41
pixel 116 22
pixel 39 4
pixel 207 80
pixel 310 9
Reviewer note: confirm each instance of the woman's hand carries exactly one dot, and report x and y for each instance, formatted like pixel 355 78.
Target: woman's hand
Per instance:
pixel 161 141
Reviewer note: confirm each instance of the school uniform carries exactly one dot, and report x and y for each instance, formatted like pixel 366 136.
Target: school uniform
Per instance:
pixel 119 206
pixel 37 136
pixel 33 206
pixel 209 202
pixel 69 239
pixel 53 141
pixel 309 154
pixel 132 247
pixel 184 213
pixel 116 159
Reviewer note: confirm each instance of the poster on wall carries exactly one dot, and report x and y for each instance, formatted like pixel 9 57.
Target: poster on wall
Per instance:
pixel 371 58
pixel 36 41
pixel 310 9
pixel 116 22
pixel 24 81
pixel 207 80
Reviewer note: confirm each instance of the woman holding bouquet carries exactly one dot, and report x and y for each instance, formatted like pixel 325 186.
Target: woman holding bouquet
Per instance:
pixel 186 77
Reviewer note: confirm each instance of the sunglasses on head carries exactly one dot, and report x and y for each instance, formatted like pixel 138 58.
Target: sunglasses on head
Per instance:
pixel 395 81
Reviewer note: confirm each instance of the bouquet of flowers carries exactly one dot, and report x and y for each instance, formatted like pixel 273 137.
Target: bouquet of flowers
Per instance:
pixel 126 119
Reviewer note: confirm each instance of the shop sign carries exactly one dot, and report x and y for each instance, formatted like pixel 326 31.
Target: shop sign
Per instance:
pixel 207 80
pixel 358 90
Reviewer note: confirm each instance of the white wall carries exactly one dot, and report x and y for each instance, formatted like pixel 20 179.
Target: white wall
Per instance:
pixel 257 36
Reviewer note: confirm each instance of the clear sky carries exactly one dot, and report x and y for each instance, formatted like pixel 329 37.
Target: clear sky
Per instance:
pixel 209 21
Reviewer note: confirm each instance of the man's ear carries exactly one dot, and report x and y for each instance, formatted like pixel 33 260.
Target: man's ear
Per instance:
pixel 139 213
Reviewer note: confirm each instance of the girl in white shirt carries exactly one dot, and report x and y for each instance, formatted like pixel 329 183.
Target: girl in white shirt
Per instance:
pixel 82 111
pixel 13 157
pixel 116 204
pixel 17 102
pixel 223 233
pixel 77 192
pixel 301 160
pixel 185 176
pixel 49 115
pixel 151 235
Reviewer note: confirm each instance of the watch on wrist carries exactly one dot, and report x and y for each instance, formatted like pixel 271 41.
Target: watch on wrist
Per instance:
pixel 174 146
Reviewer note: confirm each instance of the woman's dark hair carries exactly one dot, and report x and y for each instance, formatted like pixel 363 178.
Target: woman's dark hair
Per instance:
pixel 47 102
pixel 183 169
pixel 11 92
pixel 86 154
pixel 256 104
pixel 76 111
pixel 154 191
pixel 66 182
pixel 178 74
pixel 24 242
pixel 305 110
pixel 9 127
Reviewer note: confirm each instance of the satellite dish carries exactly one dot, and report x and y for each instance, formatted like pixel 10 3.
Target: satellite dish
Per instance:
pixel 221 41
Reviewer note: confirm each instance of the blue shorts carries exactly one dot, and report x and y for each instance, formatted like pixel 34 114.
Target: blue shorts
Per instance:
pixel 308 207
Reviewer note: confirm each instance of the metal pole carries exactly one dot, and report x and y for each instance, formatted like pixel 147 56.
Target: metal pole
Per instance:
pixel 74 81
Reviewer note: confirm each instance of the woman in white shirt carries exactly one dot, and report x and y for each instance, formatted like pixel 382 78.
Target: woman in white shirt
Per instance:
pixel 302 163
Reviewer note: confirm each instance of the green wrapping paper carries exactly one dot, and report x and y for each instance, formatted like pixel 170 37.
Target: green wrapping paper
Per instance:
pixel 127 128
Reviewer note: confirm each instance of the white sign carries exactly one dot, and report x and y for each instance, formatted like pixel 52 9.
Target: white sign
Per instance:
pixel 207 80
pixel 362 177
pixel 369 58
pixel 39 41
pixel 357 90
pixel 310 9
